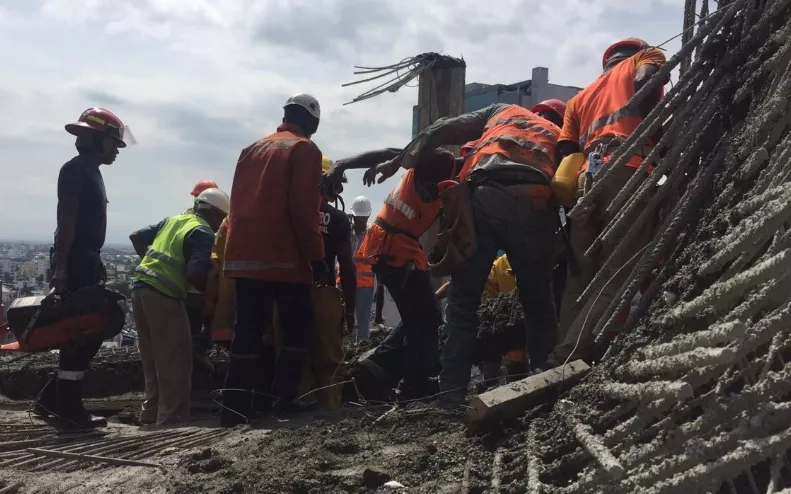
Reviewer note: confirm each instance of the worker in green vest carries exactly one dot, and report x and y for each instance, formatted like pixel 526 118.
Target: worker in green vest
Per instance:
pixel 176 256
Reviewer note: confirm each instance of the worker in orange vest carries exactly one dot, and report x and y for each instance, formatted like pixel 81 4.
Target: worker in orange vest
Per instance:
pixel 597 120
pixel 274 252
pixel 507 175
pixel 392 245
pixel 361 211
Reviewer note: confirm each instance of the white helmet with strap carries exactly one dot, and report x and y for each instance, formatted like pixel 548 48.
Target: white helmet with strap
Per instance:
pixel 307 102
pixel 361 206
pixel 214 198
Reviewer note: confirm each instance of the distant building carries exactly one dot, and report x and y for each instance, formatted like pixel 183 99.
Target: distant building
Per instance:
pixel 525 93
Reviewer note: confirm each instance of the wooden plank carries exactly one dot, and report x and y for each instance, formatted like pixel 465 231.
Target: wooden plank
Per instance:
pixel 513 399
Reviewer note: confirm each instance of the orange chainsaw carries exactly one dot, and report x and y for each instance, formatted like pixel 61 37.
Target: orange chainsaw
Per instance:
pixel 40 323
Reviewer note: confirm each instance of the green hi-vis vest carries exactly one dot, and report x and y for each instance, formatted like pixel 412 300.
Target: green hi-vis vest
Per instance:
pixel 164 266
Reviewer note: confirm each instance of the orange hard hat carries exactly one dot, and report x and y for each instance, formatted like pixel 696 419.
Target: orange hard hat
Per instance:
pixel 553 105
pixel 465 149
pixel 633 42
pixel 98 120
pixel 202 185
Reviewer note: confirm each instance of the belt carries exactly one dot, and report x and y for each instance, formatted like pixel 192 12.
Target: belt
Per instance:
pixel 394 230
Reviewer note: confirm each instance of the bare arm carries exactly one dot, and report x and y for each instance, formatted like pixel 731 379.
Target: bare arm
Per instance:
pixel 348 275
pixel 67 223
pixel 366 160
pixel 380 302
pixel 138 244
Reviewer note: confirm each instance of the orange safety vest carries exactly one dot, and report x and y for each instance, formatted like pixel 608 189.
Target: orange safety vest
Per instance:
pixel 520 136
pixel 604 112
pixel 263 242
pixel 364 269
pixel 393 238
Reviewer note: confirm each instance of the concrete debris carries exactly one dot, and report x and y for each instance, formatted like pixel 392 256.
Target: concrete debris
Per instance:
pixel 716 335
pixel 650 391
pixel 682 362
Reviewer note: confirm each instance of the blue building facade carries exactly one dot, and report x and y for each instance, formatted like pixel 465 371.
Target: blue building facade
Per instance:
pixel 524 93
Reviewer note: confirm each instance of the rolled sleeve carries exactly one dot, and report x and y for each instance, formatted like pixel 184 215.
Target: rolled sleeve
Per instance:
pixel 571 126
pixel 198 245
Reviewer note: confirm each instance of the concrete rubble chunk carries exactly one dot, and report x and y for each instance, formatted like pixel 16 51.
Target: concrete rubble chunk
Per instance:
pixel 514 398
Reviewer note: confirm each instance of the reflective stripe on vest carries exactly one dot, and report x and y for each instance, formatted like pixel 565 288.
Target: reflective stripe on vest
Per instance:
pixel 612 118
pixel 164 267
pixel 524 139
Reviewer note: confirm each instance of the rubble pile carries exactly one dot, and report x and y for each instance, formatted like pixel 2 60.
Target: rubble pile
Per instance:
pixel 695 393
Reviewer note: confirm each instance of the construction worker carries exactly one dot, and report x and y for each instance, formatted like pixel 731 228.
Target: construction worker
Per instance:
pixel 598 119
pixel 273 252
pixel 392 244
pixel 175 255
pixel 201 341
pixel 75 259
pixel 220 295
pixel 511 206
pixel 361 211
pixel 338 243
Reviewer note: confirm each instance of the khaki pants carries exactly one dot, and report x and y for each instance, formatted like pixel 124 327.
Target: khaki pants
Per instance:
pixel 165 343
pixel 573 319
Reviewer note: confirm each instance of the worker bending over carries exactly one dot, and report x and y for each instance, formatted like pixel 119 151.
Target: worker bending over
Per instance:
pixel 507 175
pixel 598 119
pixel 392 244
pixel 201 342
pixel 273 252
pixel 175 255
pixel 75 258
pixel 361 211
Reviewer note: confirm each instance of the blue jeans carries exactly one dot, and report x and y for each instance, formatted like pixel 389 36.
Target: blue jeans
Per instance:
pixel 524 226
pixel 363 300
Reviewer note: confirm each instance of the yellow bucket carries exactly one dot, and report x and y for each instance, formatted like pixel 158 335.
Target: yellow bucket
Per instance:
pixel 564 183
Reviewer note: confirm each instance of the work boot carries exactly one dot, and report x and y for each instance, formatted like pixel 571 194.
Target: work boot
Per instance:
pixel 46 401
pixel 70 410
pixel 237 405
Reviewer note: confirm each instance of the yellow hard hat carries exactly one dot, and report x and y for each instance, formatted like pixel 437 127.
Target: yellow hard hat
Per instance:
pixel 326 164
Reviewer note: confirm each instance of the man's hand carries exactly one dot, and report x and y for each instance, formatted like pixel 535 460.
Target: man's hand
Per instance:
pixel 59 280
pixel 350 322
pixel 321 273
pixel 386 169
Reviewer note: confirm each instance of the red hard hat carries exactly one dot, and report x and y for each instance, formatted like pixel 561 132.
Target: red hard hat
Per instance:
pixel 202 185
pixel 553 105
pixel 465 149
pixel 97 119
pixel 635 42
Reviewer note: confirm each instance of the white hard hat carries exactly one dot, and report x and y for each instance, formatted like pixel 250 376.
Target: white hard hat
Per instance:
pixel 215 198
pixel 307 102
pixel 361 206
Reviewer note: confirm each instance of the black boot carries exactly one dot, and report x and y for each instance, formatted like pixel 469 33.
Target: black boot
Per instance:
pixel 263 399
pixel 289 374
pixel 237 405
pixel 69 407
pixel 46 401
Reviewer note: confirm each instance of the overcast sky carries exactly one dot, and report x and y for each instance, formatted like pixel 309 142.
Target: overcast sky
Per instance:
pixel 197 80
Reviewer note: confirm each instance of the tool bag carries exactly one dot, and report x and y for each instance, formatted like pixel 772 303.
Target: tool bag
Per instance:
pixel 456 241
pixel 40 323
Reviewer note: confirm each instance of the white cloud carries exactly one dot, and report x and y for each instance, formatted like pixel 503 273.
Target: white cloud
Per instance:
pixel 198 80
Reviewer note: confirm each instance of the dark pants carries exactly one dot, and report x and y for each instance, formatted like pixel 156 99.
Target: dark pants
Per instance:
pixel 524 226
pixel 410 350
pixel 201 339
pixel 84 269
pixel 253 364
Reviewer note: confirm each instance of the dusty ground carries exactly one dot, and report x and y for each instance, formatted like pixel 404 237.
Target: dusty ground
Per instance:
pixel 350 450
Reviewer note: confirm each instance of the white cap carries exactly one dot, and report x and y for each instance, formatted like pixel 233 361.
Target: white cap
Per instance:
pixel 215 198
pixel 307 102
pixel 361 206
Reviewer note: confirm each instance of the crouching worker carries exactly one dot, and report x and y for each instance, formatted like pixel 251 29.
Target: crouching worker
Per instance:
pixel 399 262
pixel 175 255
